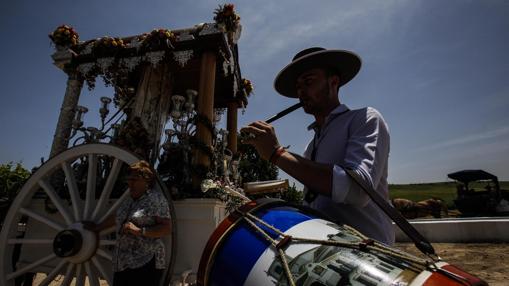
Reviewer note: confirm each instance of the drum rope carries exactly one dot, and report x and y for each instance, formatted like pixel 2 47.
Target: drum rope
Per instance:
pixel 274 243
pixel 289 274
pixel 374 246
pixel 365 244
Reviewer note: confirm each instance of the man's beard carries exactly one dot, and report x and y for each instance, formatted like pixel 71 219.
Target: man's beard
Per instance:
pixel 316 104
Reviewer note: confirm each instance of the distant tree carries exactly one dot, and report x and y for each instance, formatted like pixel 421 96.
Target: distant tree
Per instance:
pixel 12 179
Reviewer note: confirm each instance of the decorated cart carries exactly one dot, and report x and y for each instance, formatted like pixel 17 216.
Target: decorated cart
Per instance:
pixel 170 90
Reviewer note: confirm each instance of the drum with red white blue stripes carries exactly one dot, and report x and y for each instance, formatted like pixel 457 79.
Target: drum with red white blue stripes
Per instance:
pixel 236 254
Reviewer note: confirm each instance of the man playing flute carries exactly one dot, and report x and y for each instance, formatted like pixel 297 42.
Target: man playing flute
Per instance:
pixel 343 138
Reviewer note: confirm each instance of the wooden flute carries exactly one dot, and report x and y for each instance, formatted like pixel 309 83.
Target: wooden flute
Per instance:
pixel 284 112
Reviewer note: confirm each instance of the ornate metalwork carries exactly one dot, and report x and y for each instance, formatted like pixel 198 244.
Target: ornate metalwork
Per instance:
pixel 176 107
pixel 228 63
pixel 85 68
pixel 104 108
pixel 92 134
pixel 130 63
pixel 182 57
pixel 154 57
pixel 191 95
pixel 105 63
pixel 78 119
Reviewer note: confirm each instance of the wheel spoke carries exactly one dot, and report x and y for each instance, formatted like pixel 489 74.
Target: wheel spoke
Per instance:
pixel 42 219
pixel 80 277
pixel 53 273
pixel 68 275
pixel 56 200
pixel 106 242
pixel 102 270
pixel 31 266
pixel 91 179
pixel 73 190
pixel 29 241
pixel 104 254
pixel 108 187
pixel 115 206
pixel 93 280
pixel 107 231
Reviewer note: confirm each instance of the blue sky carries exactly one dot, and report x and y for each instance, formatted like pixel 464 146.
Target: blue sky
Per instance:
pixel 437 71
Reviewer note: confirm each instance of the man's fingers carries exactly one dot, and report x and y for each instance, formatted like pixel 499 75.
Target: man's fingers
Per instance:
pixel 262 125
pixel 248 141
pixel 251 140
pixel 257 128
pixel 252 129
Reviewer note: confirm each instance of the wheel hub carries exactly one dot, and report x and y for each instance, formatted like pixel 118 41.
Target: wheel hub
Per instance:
pixel 67 243
pixel 75 243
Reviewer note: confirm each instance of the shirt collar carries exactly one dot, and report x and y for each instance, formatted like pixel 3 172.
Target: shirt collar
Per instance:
pixel 340 108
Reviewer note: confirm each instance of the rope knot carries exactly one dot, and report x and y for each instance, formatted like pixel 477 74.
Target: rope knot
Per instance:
pixel 283 243
pixel 363 245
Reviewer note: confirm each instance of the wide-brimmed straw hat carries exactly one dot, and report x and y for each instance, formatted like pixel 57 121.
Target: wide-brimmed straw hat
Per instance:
pixel 346 63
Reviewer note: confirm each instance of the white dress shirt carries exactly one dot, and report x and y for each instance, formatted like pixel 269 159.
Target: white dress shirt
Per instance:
pixel 359 140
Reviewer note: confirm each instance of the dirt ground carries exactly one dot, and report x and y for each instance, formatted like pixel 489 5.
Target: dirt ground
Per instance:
pixel 484 260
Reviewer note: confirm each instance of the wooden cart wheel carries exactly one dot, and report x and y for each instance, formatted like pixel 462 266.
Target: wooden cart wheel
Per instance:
pixel 43 230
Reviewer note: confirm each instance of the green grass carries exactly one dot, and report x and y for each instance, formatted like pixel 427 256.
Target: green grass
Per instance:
pixel 418 192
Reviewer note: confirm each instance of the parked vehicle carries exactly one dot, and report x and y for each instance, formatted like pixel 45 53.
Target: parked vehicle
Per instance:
pixel 479 194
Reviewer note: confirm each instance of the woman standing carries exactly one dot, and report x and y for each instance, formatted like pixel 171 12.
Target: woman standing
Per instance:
pixel 142 220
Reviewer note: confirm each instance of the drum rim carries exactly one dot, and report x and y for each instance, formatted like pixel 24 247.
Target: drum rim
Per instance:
pixel 230 222
pixel 216 238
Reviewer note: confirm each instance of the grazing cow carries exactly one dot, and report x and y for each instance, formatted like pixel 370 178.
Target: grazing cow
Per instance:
pixel 410 209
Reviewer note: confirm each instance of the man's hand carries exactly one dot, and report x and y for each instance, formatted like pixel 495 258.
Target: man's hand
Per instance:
pixel 265 139
pixel 131 228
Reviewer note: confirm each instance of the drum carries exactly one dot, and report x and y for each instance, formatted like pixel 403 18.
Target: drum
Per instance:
pixel 247 247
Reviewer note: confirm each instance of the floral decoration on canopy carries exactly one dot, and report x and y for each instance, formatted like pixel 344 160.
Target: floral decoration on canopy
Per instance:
pixel 64 36
pixel 158 38
pixel 226 18
pixel 108 45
